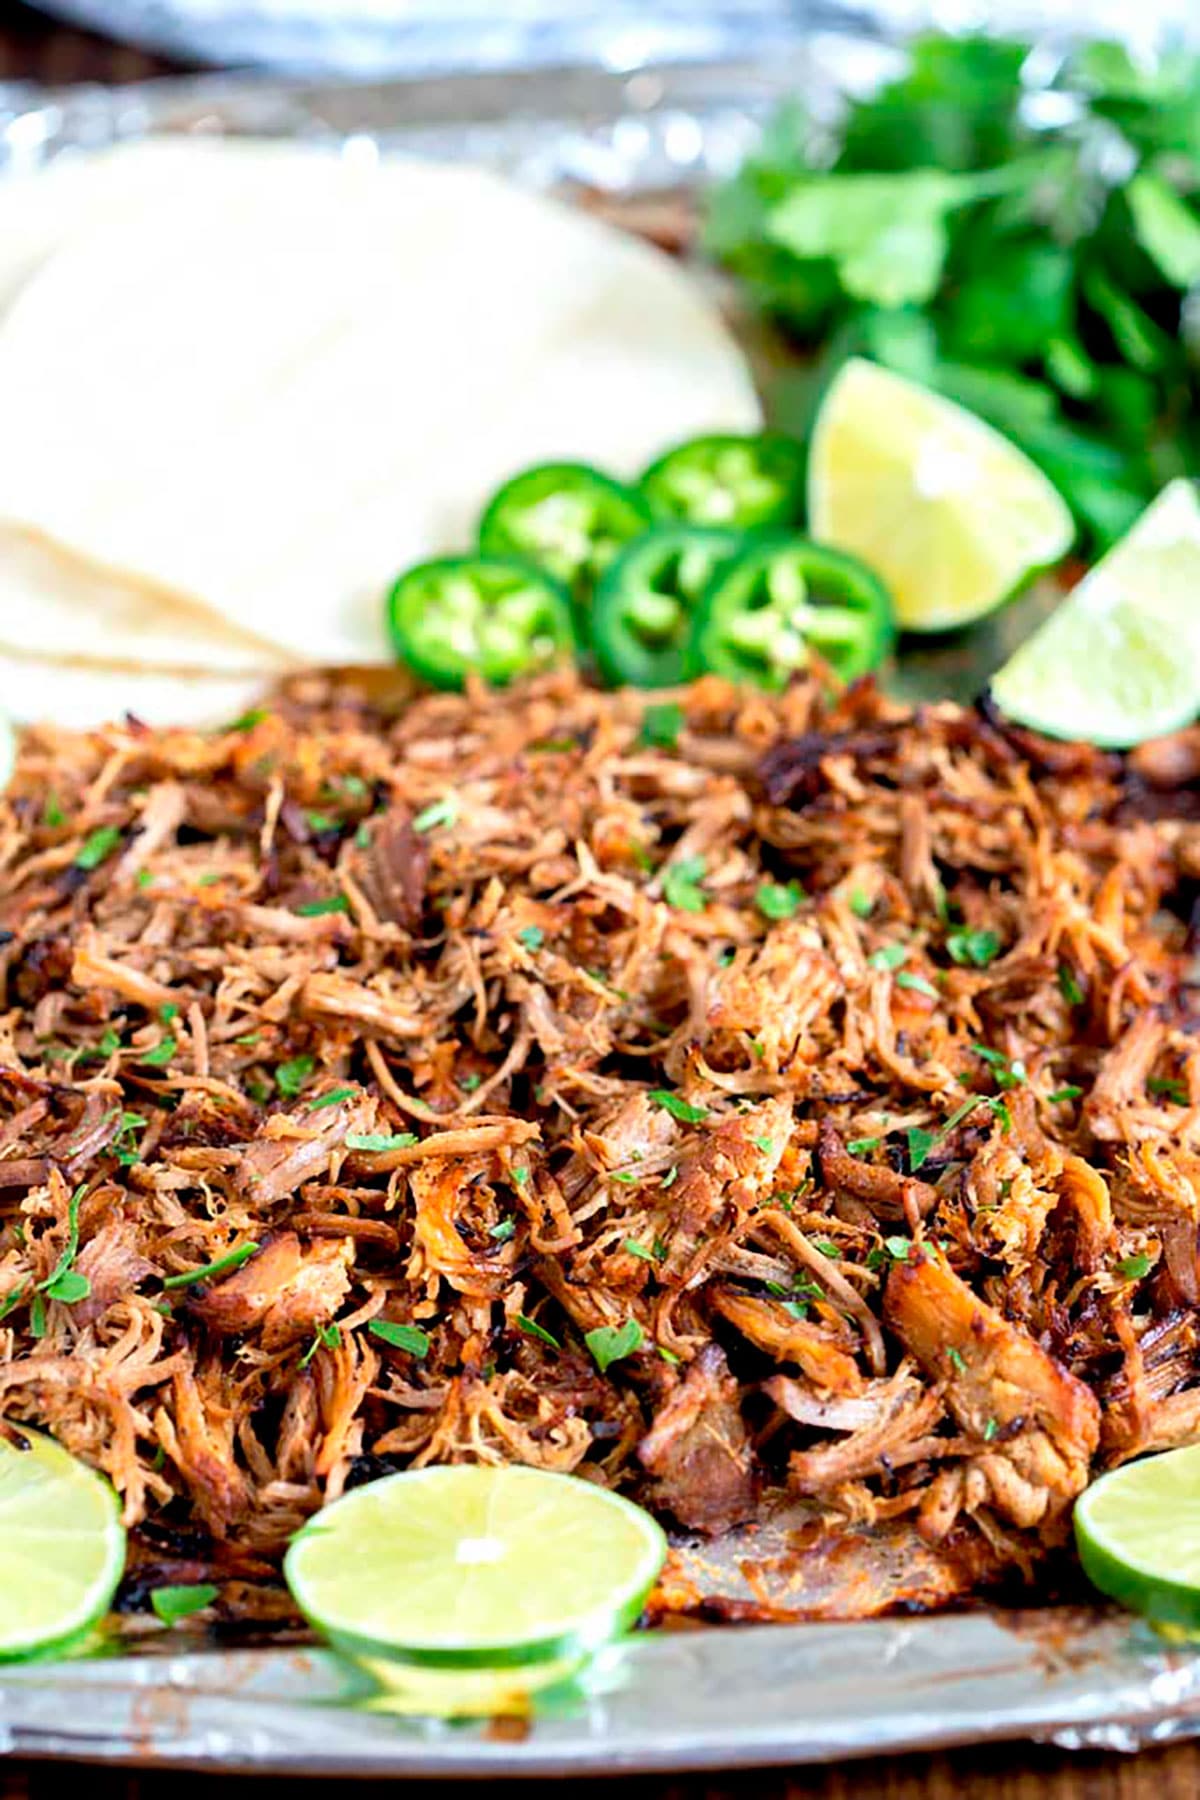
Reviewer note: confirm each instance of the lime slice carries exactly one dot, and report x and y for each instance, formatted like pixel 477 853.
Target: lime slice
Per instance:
pixel 952 515
pixel 1138 1532
pixel 487 1693
pixel 467 1567
pixel 62 1545
pixel 1119 661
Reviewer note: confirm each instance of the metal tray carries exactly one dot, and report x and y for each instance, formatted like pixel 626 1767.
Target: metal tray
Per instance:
pixel 675 1699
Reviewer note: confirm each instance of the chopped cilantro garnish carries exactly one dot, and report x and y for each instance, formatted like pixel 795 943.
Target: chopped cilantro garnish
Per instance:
pixel 670 1178
pixel 1132 1268
pixel 681 884
pixel 975 949
pixel 661 726
pixel 920 1143
pixel 291 1076
pixel 168 1011
pixel 401 1337
pixel 917 982
pixel 765 1144
pixel 333 1098
pixel 889 957
pixel 174 1603
pixel 315 909
pixel 1068 986
pixel 249 720
pixel 441 812
pixel 989 1431
pixel 863 1146
pixel 53 814
pixel 376 1141
pixel 503 1231
pixel 469 1083
pixel 680 1109
pixel 161 1054
pixel 98 847
pixel 531 1328
pixel 957 1359
pixel 1008 1074
pixel 1070 1092
pixel 1169 1090
pixel 327 1337
pixel 233 1259
pixel 533 937
pixel 636 1249
pixel 778 902
pixel 13 1299
pixel 668 1356
pixel 611 1343
pixel 861 904
pixel 898 1248
pixel 826 1246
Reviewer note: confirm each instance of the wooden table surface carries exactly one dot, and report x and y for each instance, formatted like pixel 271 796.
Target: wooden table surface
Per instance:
pixel 32 48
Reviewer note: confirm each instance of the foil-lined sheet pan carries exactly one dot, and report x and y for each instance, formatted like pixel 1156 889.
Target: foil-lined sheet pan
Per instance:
pixel 670 1700
pixel 693 1697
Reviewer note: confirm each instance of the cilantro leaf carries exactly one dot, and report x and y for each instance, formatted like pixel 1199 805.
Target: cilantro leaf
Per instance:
pixel 891 956
pixel 680 1109
pixel 1167 228
pixel 681 884
pixel 441 812
pixel 174 1603
pixel 98 847
pixel 531 1328
pixel 223 1265
pixel 611 1343
pixel 291 1076
pixel 776 901
pixel 920 1143
pixel 974 949
pixel 661 726
pixel 409 1338
pixel 376 1141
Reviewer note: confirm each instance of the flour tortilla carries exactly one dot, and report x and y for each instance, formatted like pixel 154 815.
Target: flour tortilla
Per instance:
pixel 55 604
pixel 269 383
pixel 34 690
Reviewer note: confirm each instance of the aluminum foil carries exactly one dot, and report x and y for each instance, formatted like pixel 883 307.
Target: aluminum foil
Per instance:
pixel 689 1698
pixel 377 37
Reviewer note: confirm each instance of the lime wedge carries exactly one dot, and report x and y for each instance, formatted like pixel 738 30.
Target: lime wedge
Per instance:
pixel 468 1567
pixel 62 1545
pixel 952 515
pixel 1119 661
pixel 1138 1532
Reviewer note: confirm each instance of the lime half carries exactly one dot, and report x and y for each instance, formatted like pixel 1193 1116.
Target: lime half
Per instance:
pixel 1119 661
pixel 1138 1532
pixel 952 515
pixel 62 1545
pixel 488 1693
pixel 468 1567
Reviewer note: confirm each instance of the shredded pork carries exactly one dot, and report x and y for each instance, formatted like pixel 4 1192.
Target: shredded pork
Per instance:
pixel 804 1113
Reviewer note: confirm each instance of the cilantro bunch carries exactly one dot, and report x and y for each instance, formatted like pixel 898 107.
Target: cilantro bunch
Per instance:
pixel 1021 234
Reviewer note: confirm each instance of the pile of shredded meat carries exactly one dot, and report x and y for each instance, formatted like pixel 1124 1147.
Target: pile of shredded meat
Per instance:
pixel 769 1106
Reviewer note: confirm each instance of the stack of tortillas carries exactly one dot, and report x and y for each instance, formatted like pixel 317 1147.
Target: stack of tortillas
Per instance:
pixel 243 384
